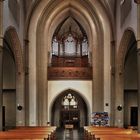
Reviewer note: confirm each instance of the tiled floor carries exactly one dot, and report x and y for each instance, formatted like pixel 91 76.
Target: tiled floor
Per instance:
pixel 66 134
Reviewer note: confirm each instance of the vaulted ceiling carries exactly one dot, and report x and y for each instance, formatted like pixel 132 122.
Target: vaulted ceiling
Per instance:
pixel 109 5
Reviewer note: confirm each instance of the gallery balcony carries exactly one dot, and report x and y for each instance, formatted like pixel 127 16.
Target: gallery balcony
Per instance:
pixel 69 73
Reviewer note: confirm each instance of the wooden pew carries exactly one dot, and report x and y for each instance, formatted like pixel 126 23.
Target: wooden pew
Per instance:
pixel 23 136
pixel 118 137
pixel 29 133
pixel 108 133
pixel 50 129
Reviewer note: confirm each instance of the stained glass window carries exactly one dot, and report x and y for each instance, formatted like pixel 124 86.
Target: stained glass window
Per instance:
pixel 69 101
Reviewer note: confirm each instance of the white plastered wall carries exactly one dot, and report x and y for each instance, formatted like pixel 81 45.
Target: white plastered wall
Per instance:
pixel 84 88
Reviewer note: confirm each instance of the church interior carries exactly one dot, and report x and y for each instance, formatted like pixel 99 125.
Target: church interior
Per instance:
pixel 70 69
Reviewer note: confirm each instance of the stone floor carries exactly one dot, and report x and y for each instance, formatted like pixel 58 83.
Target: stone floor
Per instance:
pixel 66 134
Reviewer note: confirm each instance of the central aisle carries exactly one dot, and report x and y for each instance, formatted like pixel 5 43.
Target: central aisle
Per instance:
pixel 66 134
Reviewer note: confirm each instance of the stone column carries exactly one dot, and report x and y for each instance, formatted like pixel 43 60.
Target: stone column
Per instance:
pixel 26 62
pixel 138 61
pixel 1 51
pixel 112 83
pixel 138 58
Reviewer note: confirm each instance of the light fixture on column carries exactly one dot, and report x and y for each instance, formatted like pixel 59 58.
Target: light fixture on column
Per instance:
pixel 19 107
pixel 119 107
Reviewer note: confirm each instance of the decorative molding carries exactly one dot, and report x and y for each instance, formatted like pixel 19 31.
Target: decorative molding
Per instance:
pixel 60 73
pixel 72 61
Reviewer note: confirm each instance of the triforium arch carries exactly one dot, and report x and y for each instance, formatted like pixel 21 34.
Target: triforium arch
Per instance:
pixel 12 37
pixel 83 107
pixel 43 22
pixel 122 54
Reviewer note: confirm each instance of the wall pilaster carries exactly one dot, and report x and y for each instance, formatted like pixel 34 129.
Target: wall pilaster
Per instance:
pixel 138 57
pixel 26 62
pixel 112 83
pixel 138 61
pixel 1 52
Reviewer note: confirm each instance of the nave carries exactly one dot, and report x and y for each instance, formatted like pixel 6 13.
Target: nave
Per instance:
pixel 61 61
pixel 42 133
pixel 54 133
pixel 66 134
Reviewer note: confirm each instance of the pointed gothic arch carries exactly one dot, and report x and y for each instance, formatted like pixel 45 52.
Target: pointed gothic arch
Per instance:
pixel 43 22
pixel 122 53
pixel 15 46
pixel 82 110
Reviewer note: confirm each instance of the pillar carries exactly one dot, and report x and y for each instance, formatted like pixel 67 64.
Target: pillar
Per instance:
pixel 26 62
pixel 112 83
pixel 1 52
pixel 138 58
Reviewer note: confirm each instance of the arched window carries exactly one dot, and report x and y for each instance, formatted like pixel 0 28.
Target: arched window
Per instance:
pixel 70 47
pixel 69 101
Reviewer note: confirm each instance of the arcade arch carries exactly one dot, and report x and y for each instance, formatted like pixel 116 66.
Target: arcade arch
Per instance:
pixel 43 22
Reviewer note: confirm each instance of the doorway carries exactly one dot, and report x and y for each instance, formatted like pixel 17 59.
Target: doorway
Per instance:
pixel 69 108
pixel 134 116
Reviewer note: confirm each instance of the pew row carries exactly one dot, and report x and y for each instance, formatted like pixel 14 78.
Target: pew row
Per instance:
pixel 108 133
pixel 29 133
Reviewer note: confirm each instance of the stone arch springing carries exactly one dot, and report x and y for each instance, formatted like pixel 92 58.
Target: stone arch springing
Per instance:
pixel 123 49
pixel 15 45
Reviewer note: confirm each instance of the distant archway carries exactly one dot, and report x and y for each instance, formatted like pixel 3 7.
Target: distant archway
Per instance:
pixel 12 43
pixel 68 114
pixel 127 63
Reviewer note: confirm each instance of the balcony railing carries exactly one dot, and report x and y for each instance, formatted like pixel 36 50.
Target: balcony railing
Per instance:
pixel 61 73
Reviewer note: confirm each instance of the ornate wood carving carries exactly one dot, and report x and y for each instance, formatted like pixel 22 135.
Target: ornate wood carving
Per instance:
pixel 70 61
pixel 60 73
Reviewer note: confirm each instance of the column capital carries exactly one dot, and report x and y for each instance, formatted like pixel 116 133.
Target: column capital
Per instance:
pixel 137 1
